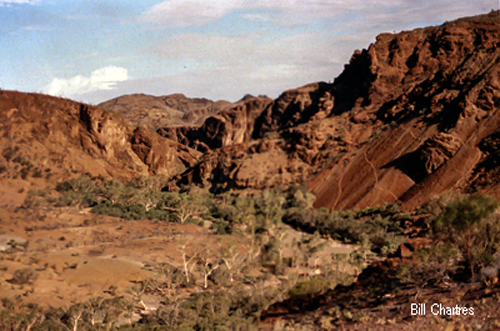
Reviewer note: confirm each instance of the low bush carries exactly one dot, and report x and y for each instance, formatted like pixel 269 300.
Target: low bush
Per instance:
pixel 23 276
pixel 307 288
pixel 380 227
pixel 130 212
pixel 439 262
pixel 205 311
pixel 9 152
pixel 468 224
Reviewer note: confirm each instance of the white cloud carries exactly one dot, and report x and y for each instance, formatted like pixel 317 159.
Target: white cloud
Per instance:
pixel 174 13
pixel 18 2
pixel 188 12
pixel 100 79
pixel 257 17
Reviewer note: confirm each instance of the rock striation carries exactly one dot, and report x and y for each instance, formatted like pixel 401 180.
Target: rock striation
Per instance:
pixel 410 117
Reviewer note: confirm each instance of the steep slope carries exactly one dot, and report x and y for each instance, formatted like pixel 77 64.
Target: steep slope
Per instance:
pixel 438 88
pixel 414 115
pixel 156 112
pixel 54 138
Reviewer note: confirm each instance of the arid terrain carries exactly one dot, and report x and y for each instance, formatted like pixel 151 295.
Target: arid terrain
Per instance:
pixel 334 206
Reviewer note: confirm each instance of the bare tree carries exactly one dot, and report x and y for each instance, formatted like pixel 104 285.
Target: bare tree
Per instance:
pixel 33 321
pixel 189 262
pixel 209 265
pixel 233 259
pixel 75 312
pixel 208 261
pixel 137 292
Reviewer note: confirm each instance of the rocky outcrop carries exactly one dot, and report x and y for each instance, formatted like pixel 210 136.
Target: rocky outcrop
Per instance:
pixel 486 174
pixel 162 155
pixel 429 86
pixel 279 158
pixel 295 107
pixel 404 122
pixel 253 117
pixel 438 149
pixel 234 125
pixel 198 115
pixel 64 137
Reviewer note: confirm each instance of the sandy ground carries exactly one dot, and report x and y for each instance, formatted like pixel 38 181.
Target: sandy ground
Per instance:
pixel 72 255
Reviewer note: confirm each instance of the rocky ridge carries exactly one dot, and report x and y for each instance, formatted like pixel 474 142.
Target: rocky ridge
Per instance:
pixel 405 121
pixel 411 117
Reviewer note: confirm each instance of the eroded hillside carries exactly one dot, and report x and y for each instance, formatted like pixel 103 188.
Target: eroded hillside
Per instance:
pixel 412 116
pixel 45 139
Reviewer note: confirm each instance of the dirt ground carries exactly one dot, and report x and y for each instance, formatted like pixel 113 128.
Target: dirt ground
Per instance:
pixel 70 255
pixel 74 255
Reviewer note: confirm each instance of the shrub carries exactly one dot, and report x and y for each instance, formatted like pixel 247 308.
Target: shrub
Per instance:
pixel 438 262
pixel 379 226
pixel 23 276
pixel 307 288
pixel 467 224
pixel 203 311
pixel 18 159
pixel 24 173
pixel 158 214
pixel 134 212
pixel 9 152
pixel 463 214
pixel 38 173
pixel 79 191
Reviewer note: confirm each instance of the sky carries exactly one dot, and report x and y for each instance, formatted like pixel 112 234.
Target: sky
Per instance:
pixel 95 50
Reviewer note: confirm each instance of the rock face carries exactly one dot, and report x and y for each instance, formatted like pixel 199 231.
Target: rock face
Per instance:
pixel 162 155
pixel 437 86
pixel 253 117
pixel 64 138
pixel 231 126
pixel 414 115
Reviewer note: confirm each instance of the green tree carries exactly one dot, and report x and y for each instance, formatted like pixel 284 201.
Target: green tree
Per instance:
pixel 466 223
pixel 112 191
pixel 78 192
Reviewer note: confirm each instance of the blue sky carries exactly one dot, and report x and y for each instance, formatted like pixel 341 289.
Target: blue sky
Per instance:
pixel 92 50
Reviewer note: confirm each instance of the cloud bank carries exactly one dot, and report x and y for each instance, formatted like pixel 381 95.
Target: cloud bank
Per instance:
pixel 181 13
pixel 99 80
pixel 176 13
